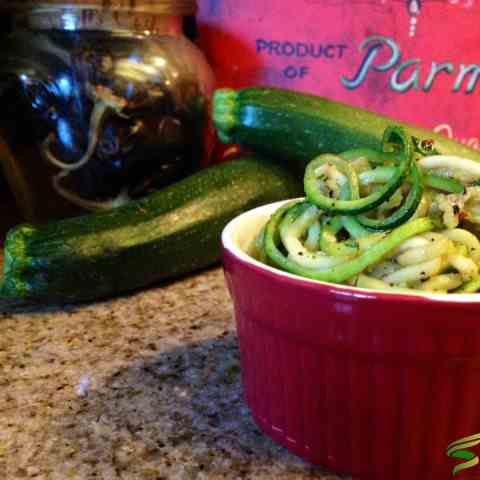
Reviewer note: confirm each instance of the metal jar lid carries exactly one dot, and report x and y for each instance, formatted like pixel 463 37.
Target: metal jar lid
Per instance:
pixel 159 7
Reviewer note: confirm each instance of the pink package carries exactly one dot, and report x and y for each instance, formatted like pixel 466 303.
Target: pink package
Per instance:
pixel 417 61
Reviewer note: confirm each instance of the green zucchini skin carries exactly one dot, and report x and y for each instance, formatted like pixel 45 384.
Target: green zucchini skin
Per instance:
pixel 296 126
pixel 169 233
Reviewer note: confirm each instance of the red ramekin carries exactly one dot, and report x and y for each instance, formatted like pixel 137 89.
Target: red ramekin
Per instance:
pixel 363 382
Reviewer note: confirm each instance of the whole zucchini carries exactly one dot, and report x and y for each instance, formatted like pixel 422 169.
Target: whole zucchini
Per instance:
pixel 172 232
pixel 296 126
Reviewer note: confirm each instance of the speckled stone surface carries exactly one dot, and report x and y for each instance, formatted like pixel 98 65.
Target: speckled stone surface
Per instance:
pixel 141 387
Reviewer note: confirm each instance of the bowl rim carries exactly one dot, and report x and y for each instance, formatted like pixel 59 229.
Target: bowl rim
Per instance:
pixel 229 245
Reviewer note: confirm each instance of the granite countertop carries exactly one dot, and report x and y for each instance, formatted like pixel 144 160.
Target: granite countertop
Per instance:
pixel 144 387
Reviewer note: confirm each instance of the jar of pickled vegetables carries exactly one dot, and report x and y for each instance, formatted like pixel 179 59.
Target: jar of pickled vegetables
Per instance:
pixel 102 102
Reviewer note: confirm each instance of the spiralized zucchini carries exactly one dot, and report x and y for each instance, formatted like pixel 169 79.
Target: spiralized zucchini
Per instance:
pixel 399 219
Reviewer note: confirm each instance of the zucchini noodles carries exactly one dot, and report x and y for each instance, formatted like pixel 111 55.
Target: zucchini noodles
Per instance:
pixel 403 219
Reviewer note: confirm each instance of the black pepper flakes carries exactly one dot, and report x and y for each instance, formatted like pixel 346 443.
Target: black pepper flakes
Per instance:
pixel 427 145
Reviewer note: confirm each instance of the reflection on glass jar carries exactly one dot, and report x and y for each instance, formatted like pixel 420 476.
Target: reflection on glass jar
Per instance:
pixel 100 108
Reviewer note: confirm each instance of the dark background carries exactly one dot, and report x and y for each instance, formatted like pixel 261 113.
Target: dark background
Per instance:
pixel 4 24
pixel 9 215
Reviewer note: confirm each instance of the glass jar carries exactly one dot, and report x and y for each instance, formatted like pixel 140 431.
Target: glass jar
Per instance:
pixel 100 105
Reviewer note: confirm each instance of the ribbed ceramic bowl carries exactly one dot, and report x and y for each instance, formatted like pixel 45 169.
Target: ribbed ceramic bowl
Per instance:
pixel 366 383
